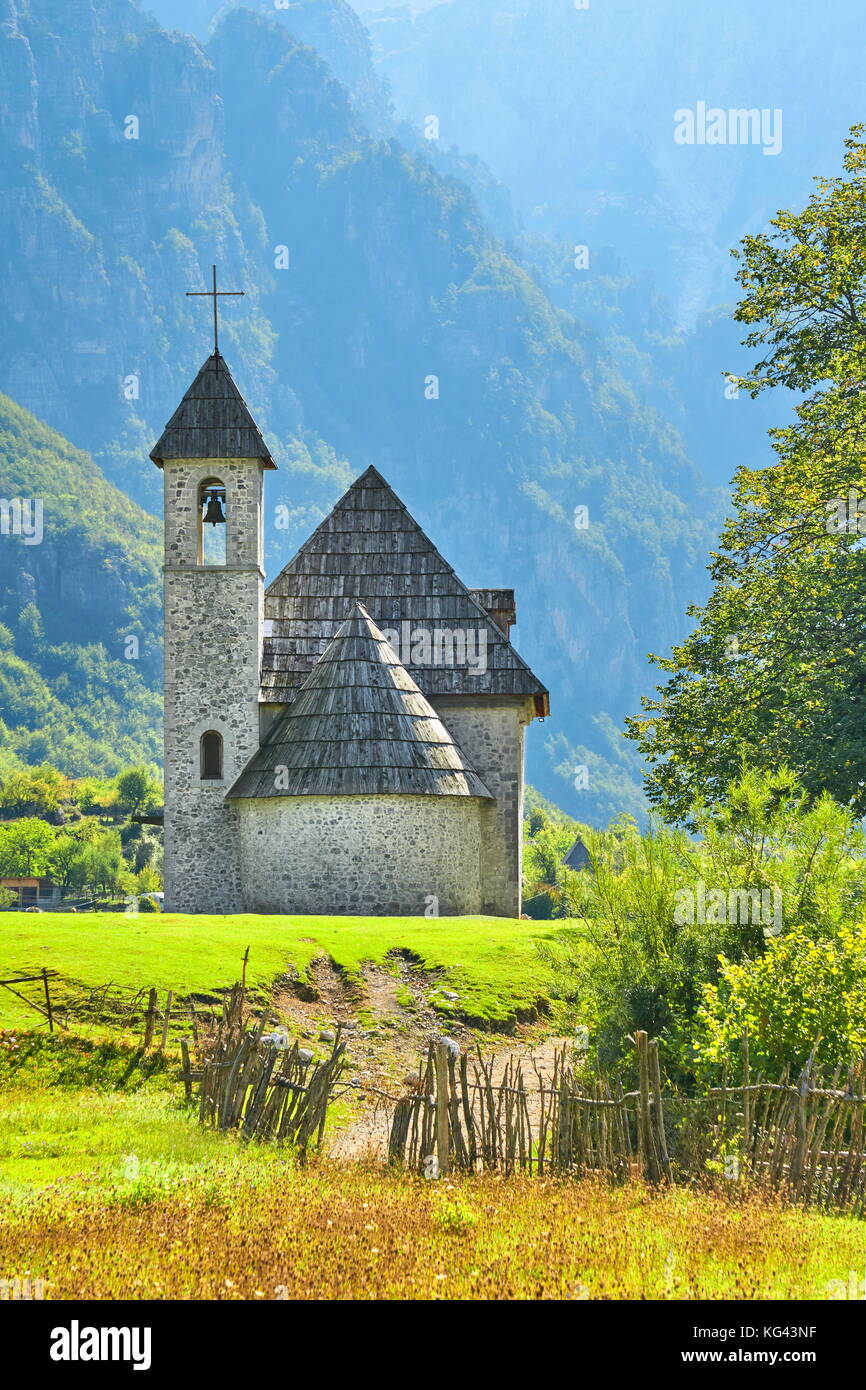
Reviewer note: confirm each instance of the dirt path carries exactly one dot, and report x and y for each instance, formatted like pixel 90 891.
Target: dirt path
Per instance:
pixel 388 1023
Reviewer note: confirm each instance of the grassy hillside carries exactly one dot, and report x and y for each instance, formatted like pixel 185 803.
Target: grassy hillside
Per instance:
pixel 491 964
pixel 110 1188
pixel 80 610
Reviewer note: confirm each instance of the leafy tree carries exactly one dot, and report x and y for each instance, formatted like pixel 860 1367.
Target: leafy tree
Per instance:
pixel 33 790
pixel 777 662
pixel 31 633
pixel 93 794
pixel 69 861
pixel 147 881
pixel 103 868
pixel 136 788
pixel 26 848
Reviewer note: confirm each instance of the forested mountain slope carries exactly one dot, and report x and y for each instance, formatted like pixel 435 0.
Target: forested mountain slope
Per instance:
pixel 384 322
pixel 80 609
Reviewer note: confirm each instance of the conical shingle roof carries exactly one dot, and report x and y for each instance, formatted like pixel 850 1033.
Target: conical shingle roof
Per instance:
pixel 213 421
pixel 358 725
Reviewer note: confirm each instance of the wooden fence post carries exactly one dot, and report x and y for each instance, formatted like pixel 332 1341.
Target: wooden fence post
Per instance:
pixel 747 1102
pixel 798 1157
pixel 47 1000
pixel 168 1002
pixel 149 1019
pixel 187 1068
pixel 443 1136
pixel 646 1146
pixel 658 1113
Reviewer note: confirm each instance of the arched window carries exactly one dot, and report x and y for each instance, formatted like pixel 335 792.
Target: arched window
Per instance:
pixel 212 522
pixel 212 757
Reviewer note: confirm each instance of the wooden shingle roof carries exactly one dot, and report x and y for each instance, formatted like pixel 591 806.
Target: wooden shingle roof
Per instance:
pixel 370 549
pixel 213 421
pixel 578 856
pixel 358 725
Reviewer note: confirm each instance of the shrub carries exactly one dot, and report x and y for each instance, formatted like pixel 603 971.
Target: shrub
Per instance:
pixel 639 959
pixel 803 993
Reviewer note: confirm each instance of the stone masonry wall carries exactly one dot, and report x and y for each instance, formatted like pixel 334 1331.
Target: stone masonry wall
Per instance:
pixel 491 734
pixel 361 855
pixel 213 626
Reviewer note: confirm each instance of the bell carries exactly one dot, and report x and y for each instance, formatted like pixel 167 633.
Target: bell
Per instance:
pixel 214 514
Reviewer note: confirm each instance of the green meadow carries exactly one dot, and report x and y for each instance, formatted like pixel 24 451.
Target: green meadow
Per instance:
pixel 491 962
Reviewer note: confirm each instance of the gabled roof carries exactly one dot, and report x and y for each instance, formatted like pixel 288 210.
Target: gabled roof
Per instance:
pixel 358 725
pixel 213 421
pixel 578 856
pixel 370 549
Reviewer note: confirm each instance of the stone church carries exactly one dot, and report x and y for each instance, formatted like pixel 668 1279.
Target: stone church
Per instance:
pixel 350 739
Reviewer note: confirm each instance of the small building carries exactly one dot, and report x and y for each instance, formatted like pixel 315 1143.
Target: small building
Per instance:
pixel 31 892
pixel 578 856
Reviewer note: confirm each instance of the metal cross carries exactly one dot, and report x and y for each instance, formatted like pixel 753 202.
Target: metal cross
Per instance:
pixel 215 295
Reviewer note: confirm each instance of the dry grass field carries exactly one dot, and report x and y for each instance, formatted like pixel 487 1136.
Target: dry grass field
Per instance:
pixel 345 1232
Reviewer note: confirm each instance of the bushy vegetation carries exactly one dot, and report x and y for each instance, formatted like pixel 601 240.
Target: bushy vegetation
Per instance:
pixel 755 926
pixel 550 888
pixel 79 833
pixel 805 995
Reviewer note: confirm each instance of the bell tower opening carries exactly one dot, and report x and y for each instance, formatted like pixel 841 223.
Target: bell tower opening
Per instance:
pixel 211 757
pixel 212 522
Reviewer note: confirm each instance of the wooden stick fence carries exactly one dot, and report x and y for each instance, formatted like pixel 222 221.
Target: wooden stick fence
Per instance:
pixel 803 1138
pixel 121 1005
pixel 462 1116
pixel 250 1082
pixel 124 1007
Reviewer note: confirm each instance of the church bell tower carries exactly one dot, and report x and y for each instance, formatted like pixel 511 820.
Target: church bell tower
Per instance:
pixel 213 460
